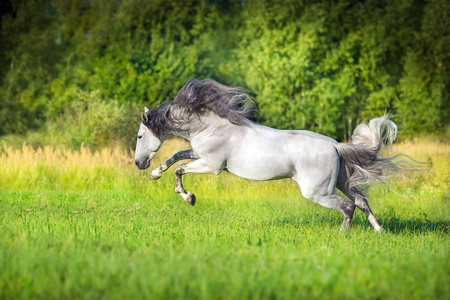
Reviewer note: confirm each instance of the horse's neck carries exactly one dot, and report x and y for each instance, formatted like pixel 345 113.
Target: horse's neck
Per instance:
pixel 187 130
pixel 208 124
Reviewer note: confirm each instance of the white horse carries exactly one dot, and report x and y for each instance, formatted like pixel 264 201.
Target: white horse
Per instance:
pixel 215 119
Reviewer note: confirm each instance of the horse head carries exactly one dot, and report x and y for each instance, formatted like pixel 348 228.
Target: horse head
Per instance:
pixel 147 143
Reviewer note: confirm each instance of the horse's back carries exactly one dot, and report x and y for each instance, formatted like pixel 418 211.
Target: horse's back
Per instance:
pixel 312 135
pixel 264 153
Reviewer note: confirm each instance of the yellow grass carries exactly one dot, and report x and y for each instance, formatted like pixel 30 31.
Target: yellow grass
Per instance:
pixel 57 167
pixel 434 152
pixel 117 156
pixel 21 167
pixel 424 149
pixel 27 156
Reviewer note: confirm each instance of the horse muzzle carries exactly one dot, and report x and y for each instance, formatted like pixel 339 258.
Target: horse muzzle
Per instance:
pixel 142 165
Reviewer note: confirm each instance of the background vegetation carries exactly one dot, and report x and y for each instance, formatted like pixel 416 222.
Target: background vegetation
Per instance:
pixel 74 72
pixel 78 220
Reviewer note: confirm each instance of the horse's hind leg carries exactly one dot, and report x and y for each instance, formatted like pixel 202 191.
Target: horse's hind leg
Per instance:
pixel 336 202
pixel 359 198
pixel 361 202
pixel 330 200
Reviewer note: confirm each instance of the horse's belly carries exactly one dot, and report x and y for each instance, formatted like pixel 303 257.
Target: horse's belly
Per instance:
pixel 260 169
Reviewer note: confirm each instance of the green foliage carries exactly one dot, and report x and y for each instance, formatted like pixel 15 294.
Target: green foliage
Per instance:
pixel 426 86
pixel 31 56
pixel 91 121
pixel 317 65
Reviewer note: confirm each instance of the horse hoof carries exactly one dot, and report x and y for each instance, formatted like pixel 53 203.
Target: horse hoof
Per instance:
pixel 190 199
pixel 154 176
pixel 151 177
pixel 343 230
pixel 381 230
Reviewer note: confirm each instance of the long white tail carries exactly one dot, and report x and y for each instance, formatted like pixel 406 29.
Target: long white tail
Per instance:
pixel 363 157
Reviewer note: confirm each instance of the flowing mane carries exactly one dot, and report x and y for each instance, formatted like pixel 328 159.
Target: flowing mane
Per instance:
pixel 198 97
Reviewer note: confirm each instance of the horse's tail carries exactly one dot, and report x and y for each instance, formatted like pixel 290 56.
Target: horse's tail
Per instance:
pixel 363 157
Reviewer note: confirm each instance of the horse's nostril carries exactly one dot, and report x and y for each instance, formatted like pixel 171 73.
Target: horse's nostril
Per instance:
pixel 136 162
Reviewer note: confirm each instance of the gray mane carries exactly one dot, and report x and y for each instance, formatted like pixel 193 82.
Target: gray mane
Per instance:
pixel 195 99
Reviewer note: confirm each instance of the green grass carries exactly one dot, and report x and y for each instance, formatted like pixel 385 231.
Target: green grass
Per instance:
pixel 113 234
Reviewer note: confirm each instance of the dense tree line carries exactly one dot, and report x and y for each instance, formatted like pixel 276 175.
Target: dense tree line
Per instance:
pixel 78 71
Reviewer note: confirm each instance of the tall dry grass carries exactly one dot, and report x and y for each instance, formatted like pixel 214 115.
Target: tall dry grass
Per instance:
pixel 424 149
pixel 53 167
pixel 27 156
pixel 434 153
pixel 113 167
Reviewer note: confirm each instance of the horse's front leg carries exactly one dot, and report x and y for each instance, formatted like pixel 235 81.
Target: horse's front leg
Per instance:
pixel 186 154
pixel 198 166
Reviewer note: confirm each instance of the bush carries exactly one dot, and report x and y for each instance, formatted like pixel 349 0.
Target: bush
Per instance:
pixel 92 121
pixel 317 65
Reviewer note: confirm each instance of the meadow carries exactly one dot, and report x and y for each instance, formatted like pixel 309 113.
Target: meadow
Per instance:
pixel 82 224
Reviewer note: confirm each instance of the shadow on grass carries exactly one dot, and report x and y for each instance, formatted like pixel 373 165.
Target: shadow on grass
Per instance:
pixel 392 225
pixel 414 225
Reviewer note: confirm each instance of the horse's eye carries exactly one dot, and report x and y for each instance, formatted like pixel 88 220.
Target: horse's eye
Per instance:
pixel 139 136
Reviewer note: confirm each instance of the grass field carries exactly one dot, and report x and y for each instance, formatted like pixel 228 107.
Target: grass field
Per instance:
pixel 90 225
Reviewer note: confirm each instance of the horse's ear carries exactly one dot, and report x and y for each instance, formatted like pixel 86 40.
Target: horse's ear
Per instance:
pixel 167 112
pixel 146 109
pixel 144 118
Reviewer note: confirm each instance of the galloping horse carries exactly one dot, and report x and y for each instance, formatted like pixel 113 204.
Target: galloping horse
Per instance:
pixel 215 119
